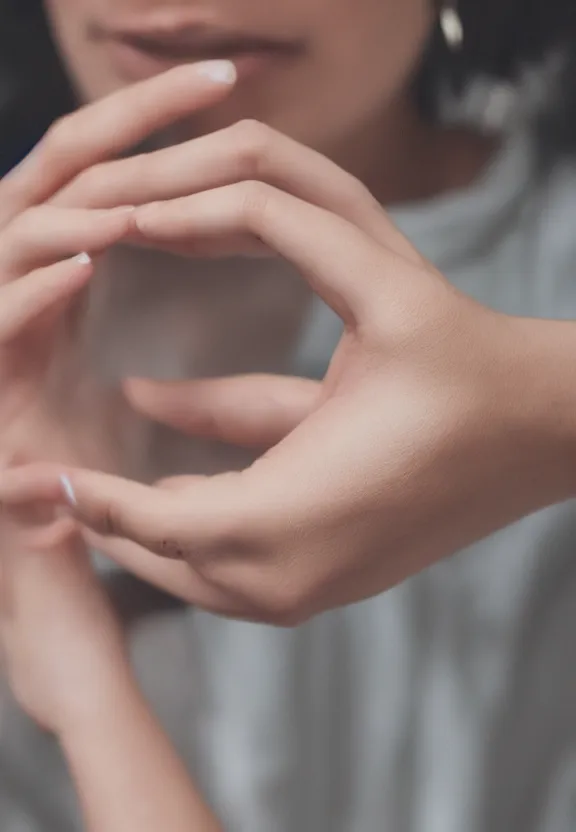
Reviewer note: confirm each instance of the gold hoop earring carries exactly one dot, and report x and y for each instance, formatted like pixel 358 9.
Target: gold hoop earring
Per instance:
pixel 451 25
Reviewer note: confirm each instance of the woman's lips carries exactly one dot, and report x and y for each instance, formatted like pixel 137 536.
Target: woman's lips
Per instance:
pixel 137 64
pixel 139 55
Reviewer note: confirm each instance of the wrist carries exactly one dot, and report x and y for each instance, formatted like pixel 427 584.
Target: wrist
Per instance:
pixel 97 711
pixel 542 395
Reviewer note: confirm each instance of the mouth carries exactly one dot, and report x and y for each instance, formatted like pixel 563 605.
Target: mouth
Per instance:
pixel 140 53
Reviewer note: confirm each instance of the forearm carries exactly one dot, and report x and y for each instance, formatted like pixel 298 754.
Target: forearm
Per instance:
pixel 127 774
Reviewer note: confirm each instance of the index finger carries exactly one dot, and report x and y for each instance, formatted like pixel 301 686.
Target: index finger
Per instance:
pixel 107 127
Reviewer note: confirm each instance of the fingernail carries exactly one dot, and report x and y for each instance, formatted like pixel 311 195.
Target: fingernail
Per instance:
pixel 84 258
pixel 122 209
pixel 221 72
pixel 68 490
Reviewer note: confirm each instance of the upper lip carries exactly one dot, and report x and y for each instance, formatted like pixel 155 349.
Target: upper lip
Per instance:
pixel 196 41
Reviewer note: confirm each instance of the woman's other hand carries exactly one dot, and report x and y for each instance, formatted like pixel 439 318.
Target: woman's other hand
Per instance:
pixel 36 288
pixel 62 645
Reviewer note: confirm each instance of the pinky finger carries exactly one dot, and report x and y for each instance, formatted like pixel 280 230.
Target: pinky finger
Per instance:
pixel 24 301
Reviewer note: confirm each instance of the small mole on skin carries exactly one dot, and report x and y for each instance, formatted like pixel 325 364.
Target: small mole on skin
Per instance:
pixel 172 548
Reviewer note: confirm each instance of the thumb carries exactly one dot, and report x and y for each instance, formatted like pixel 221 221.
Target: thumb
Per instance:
pixel 250 410
pixel 167 521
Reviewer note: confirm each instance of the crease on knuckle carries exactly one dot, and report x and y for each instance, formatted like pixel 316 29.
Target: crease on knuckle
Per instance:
pixel 109 522
pixel 252 141
pixel 90 187
pixel 254 199
pixel 60 139
pixel 149 218
pixel 357 196
pixel 23 226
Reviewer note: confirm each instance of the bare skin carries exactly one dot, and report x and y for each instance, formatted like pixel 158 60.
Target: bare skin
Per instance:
pixel 67 664
pixel 425 386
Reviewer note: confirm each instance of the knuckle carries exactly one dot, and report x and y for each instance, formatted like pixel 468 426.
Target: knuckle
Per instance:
pixel 252 141
pixel 60 136
pixel 357 194
pixel 148 216
pixel 109 522
pixel 407 317
pixel 105 184
pixel 23 226
pixel 88 188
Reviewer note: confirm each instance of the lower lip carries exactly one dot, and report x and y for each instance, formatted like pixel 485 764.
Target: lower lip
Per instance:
pixel 136 65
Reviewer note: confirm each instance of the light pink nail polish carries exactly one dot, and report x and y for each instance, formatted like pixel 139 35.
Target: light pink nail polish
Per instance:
pixel 68 490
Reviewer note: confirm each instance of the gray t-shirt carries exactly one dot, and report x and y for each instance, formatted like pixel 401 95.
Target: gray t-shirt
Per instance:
pixel 447 704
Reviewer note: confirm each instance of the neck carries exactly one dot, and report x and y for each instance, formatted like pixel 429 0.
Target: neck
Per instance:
pixel 402 158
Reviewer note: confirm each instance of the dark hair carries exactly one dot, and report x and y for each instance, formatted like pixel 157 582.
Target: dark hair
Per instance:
pixel 501 37
pixel 34 89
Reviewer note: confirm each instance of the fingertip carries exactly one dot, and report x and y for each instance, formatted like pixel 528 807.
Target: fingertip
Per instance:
pixel 70 274
pixel 34 481
pixel 219 71
pixel 68 490
pixel 139 391
pixel 137 383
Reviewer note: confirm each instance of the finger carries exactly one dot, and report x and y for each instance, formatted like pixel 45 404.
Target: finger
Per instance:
pixel 25 300
pixel 177 579
pixel 256 411
pixel 107 532
pixel 245 151
pixel 43 235
pixel 174 577
pixel 109 127
pixel 168 523
pixel 336 258
pixel 62 533
pixel 173 483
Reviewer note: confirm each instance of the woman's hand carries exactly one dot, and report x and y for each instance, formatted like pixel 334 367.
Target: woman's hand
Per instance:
pixel 68 667
pixel 39 366
pixel 63 647
pixel 438 420
pixel 37 356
